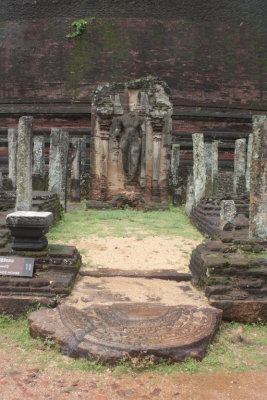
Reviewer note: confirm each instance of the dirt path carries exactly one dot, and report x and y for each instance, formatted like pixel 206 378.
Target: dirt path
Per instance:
pixel 29 382
pixel 148 253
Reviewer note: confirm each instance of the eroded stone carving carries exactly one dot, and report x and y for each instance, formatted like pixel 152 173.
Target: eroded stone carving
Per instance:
pixel 129 131
pixel 130 143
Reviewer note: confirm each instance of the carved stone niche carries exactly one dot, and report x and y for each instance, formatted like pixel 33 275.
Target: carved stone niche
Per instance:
pixel 130 144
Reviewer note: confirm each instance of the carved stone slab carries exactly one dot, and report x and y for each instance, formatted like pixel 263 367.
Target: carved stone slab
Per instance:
pixel 110 332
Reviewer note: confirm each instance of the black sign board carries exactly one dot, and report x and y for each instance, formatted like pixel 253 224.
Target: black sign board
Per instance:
pixel 16 266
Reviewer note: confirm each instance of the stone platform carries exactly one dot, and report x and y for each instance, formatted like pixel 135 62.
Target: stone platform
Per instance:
pixel 54 275
pixel 233 276
pixel 110 318
pixel 206 217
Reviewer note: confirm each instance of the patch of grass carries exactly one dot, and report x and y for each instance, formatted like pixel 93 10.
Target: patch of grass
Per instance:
pixel 237 347
pixel 80 223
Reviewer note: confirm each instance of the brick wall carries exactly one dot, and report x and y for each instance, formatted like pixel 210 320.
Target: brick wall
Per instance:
pixel 211 53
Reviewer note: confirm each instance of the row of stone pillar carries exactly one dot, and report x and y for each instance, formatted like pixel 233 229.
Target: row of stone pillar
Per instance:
pixel 27 157
pixel 250 173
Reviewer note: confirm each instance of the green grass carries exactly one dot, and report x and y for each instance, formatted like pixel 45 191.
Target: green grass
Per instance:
pixel 80 223
pixel 237 347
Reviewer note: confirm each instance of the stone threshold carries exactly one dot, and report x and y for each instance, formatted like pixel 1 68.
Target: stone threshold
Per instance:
pixel 164 274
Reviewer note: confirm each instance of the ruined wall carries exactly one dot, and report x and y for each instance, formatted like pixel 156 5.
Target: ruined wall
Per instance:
pixel 210 52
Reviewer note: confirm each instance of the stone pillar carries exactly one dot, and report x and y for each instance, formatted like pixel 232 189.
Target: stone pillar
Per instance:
pixel 58 160
pixel 24 165
pixel 1 180
pixel 199 167
pixel 38 155
pixel 227 215
pixel 75 192
pixel 175 161
pixel 214 164
pixel 155 190
pixel 83 155
pixel 240 166
pixel 258 180
pixel 249 151
pixel 12 155
pixel 190 196
pixel 208 162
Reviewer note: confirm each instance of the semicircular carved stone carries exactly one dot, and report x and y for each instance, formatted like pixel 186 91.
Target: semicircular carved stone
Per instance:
pixel 110 332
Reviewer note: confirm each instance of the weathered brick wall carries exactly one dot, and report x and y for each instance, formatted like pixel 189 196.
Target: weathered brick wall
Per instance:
pixel 210 52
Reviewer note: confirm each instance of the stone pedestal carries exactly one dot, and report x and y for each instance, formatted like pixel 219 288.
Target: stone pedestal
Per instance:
pixel 258 180
pixel 130 143
pixel 28 229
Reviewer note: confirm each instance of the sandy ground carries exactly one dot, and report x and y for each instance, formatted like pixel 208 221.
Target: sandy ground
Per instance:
pixel 106 291
pixel 152 252
pixel 52 383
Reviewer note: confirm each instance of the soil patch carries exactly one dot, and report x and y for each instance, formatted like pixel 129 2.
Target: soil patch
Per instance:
pixel 147 253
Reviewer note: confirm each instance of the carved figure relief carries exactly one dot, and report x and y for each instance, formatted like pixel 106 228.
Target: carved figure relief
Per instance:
pixel 130 144
pixel 128 129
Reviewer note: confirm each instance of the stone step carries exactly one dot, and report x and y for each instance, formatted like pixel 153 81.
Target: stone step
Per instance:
pixel 164 274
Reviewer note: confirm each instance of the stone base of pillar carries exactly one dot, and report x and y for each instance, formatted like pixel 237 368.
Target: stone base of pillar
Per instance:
pixel 28 229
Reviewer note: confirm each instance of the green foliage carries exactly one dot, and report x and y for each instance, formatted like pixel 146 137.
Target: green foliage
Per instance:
pixel 79 26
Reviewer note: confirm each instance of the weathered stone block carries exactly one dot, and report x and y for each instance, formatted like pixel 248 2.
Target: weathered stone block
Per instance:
pixel 228 215
pixel 28 229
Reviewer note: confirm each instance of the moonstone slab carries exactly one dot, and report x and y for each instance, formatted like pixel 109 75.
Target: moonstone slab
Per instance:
pixel 111 332
pixel 28 229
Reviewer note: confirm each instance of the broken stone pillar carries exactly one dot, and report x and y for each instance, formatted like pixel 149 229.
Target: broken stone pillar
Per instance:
pixel 12 155
pixel 24 165
pixel 130 144
pixel 199 167
pixel 258 180
pixel 190 195
pixel 240 166
pixel 175 161
pixel 58 160
pixel 38 155
pixel 214 165
pixel 75 192
pixel 227 215
pixel 249 151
